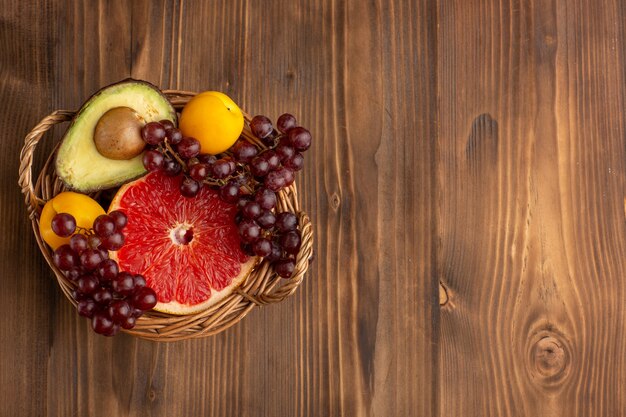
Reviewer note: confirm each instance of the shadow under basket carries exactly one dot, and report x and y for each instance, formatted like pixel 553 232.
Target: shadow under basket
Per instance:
pixel 262 286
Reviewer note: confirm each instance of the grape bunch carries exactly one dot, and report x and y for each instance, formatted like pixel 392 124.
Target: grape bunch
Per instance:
pixel 263 231
pixel 109 297
pixel 250 174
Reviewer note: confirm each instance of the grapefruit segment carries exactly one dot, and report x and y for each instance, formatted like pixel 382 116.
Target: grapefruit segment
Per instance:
pixel 188 249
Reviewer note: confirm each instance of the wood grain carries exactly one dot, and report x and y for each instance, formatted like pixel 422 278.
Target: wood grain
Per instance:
pixel 23 76
pixel 357 338
pixel 532 167
pixel 467 185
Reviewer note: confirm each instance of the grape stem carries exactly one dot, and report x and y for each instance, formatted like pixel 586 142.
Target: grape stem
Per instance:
pixel 217 183
pixel 169 149
pixel 248 189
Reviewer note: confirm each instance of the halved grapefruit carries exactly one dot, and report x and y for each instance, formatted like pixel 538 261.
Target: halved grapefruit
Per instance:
pixel 187 248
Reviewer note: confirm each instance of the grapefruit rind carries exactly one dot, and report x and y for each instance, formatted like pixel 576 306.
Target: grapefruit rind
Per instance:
pixel 176 308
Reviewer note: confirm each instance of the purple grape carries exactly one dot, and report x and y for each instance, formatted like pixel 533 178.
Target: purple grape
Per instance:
pixel 119 218
pixel 123 283
pixel 63 224
pixel 174 136
pixel 286 174
pixel 79 243
pixel 261 126
pixel 300 138
pixel 90 259
pixel 167 125
pixel 104 225
pixel 276 253
pixel 247 249
pixel 113 242
pixel 229 192
pixel 94 241
pixel 87 284
pixel 188 148
pixel 153 160
pixel 144 299
pixel 76 295
pixel 102 324
pixel 259 167
pixel 251 210
pixel 269 141
pixel 153 133
pixel 272 159
pixel 266 198
pixel 75 273
pixel 290 242
pixel 205 158
pixel 266 220
pixel 244 151
pixel 115 329
pixel 102 296
pixel 119 311
pixel 284 267
pixel 285 122
pixel 295 163
pixel 285 151
pixel 129 322
pixel 274 181
pixel 249 231
pixel 140 281
pixel 221 169
pixel 189 187
pixel 199 171
pixel 262 247
pixel 87 307
pixel 243 200
pixel 289 177
pixel 286 222
pixel 107 270
pixel 231 164
pixel 65 258
pixel 171 167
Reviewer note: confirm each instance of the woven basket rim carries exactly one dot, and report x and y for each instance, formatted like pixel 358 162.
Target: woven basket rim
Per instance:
pixel 261 287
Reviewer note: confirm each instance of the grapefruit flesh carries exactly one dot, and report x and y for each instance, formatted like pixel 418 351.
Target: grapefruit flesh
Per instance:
pixel 188 249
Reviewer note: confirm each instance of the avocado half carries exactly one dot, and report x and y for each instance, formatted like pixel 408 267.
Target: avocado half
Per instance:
pixel 79 163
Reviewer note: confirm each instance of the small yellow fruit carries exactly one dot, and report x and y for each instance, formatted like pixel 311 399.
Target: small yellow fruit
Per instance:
pixel 82 207
pixel 214 119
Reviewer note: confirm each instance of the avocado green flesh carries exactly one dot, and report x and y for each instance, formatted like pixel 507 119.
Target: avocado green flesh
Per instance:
pixel 78 162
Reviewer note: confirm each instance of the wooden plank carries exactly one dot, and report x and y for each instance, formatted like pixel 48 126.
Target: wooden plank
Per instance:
pixel 402 278
pixel 25 303
pixel 531 167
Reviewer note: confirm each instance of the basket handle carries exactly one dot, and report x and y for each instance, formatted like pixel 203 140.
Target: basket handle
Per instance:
pixel 26 156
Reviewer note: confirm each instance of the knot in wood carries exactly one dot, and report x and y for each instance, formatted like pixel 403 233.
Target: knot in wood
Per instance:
pixel 443 294
pixel 549 356
pixel 152 395
pixel 550 360
pixel 335 201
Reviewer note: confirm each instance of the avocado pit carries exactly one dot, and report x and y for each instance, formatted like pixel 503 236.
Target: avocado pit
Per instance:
pixel 118 134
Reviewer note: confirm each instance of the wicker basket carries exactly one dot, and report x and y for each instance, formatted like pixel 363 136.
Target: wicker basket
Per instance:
pixel 262 286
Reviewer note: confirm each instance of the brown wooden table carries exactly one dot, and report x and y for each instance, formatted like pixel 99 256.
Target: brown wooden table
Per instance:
pixel 466 183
